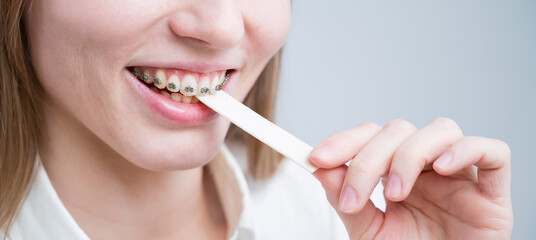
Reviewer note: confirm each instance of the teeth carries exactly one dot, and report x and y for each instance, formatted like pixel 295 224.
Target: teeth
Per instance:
pixel 222 84
pixel 204 86
pixel 173 84
pixel 187 99
pixel 188 86
pixel 137 73
pixel 219 85
pixel 214 83
pixel 183 90
pixel 176 97
pixel 146 77
pixel 165 94
pixel 160 80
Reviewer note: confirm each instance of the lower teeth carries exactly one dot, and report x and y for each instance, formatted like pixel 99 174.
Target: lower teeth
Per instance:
pixel 176 97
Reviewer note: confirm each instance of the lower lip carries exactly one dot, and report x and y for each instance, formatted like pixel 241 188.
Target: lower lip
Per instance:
pixel 180 114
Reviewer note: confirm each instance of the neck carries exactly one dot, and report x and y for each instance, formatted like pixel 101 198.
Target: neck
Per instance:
pixel 111 198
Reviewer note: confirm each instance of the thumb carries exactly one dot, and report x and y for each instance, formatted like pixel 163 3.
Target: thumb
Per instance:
pixel 363 224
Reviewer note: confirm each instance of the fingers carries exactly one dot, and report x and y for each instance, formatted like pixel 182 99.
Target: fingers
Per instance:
pixel 365 223
pixel 339 148
pixel 331 156
pixel 491 156
pixel 416 152
pixel 371 163
pixel 403 152
pixel 331 180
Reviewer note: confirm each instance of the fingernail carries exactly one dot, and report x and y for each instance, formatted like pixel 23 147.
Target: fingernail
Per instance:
pixel 323 151
pixel 348 200
pixel 394 186
pixel 444 160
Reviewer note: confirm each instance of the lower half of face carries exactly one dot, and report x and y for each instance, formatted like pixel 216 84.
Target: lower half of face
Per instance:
pixel 130 74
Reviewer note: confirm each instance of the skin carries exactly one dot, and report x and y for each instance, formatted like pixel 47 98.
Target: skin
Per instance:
pixel 110 160
pixel 428 196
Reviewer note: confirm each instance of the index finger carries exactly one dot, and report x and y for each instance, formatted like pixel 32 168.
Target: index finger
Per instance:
pixel 341 147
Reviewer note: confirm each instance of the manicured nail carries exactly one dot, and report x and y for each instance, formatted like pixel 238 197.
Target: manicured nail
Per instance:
pixel 348 200
pixel 323 151
pixel 444 160
pixel 394 186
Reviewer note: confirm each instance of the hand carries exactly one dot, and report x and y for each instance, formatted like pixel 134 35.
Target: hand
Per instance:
pixel 431 188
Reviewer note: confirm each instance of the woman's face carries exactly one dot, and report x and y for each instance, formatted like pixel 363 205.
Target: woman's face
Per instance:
pixel 84 52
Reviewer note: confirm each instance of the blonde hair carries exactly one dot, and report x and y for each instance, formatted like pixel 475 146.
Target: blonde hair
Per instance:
pixel 262 160
pixel 20 112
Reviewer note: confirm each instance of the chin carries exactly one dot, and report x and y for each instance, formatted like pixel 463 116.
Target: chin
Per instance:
pixel 175 160
pixel 179 151
pixel 173 163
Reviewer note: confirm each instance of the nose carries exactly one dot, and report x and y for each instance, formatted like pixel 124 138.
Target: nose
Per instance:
pixel 214 23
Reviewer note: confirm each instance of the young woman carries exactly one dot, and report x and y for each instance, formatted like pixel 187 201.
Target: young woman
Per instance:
pixel 97 142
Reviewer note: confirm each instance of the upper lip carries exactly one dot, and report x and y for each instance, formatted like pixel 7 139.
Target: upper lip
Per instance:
pixel 199 67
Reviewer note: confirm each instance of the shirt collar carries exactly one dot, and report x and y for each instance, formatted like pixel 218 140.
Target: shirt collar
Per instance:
pixel 43 215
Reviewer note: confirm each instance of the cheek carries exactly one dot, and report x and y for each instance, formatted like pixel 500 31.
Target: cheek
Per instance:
pixel 96 22
pixel 87 35
pixel 78 49
pixel 268 23
pixel 71 44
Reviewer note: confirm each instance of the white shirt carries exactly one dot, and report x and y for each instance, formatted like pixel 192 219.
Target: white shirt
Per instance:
pixel 291 205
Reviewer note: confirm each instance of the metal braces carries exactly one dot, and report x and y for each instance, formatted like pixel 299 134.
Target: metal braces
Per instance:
pixel 189 89
pixel 145 77
pixel 156 80
pixel 222 84
pixel 137 74
pixel 171 85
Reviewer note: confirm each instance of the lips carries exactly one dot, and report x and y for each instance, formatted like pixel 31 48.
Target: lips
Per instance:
pixel 172 105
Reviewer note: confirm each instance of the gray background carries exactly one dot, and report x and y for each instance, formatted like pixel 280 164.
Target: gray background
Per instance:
pixel 348 62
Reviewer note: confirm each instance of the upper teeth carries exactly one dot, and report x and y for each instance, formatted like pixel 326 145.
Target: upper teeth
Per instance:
pixel 215 82
pixel 173 83
pixel 204 85
pixel 160 80
pixel 190 84
pixel 146 77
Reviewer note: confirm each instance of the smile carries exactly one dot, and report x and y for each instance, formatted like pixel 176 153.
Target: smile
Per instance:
pixel 181 85
pixel 169 94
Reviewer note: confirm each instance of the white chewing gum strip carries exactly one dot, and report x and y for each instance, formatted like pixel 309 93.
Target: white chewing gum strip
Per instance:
pixel 260 128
